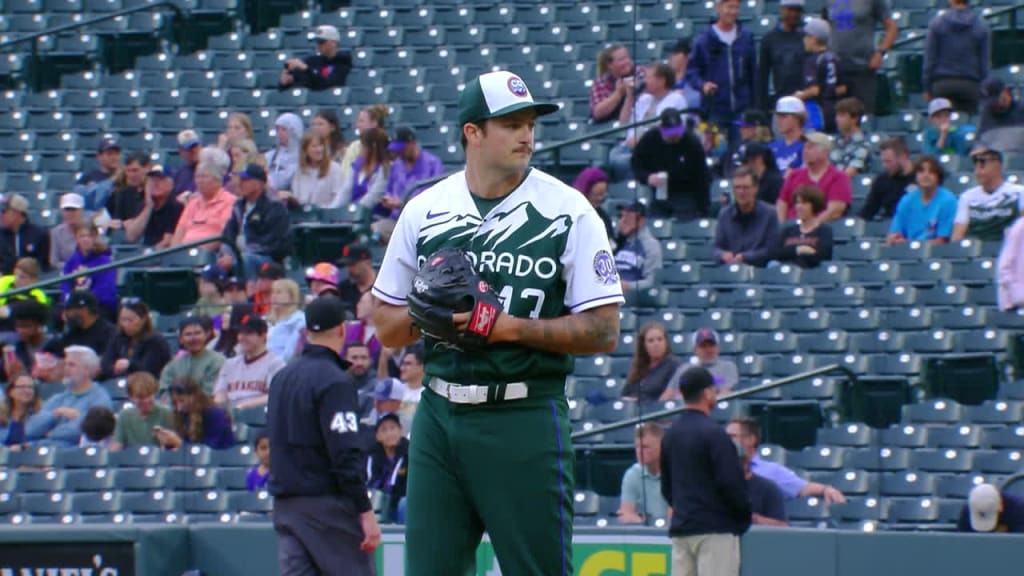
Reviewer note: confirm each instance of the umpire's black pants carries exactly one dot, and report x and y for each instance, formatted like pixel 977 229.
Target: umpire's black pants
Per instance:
pixel 320 536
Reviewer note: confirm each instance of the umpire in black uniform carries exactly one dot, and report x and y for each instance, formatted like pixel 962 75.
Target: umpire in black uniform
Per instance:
pixel 322 513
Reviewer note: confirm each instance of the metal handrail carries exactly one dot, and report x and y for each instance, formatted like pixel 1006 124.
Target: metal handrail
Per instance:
pixel 556 147
pixel 662 414
pixel 230 242
pixel 1011 10
pixel 57 30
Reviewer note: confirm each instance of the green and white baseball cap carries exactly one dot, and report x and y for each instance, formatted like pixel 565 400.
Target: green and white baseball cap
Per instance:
pixel 496 94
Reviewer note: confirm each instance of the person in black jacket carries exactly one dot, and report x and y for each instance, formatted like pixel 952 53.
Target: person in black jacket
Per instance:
pixel 703 481
pixel 327 68
pixel 20 238
pixel 322 513
pixel 137 346
pixel 263 222
pixel 684 190
pixel 760 158
pixel 85 326
pixel 805 242
pixel 388 463
pixel 782 57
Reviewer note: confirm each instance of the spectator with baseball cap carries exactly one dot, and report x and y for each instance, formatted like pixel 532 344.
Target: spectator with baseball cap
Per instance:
pixel 822 83
pixel 388 463
pixel 760 159
pixel 194 361
pixel 748 228
pixel 259 225
pixel 755 128
pixel 388 394
pixel 323 279
pixel 156 222
pixel 412 164
pixel 817 171
pixel 957 51
pixel 207 213
pixel 985 211
pixel 328 68
pixel 659 95
pixel 991 510
pixel 638 255
pixel 780 64
pixel 20 238
pixel 268 273
pixel 244 380
pixel 108 156
pixel 62 236
pixel 943 136
pixel 707 350
pixel 999 109
pixel 360 275
pixel 188 148
pixel 679 60
pixel 671 160
pixel 788 146
pixel 85 326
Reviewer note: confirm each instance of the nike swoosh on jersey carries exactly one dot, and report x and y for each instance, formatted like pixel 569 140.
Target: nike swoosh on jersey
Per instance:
pixel 431 216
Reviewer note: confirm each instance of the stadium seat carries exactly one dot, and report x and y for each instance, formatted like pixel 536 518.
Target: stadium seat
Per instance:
pixel 239 456
pixel 191 456
pixel 816 458
pixel 995 412
pixel 966 378
pixel 907 436
pixel 53 504
pixel 860 320
pixel 990 341
pixel 40 480
pixel 586 503
pixel 191 479
pixel 924 510
pixel 906 484
pixel 963 436
pixel 999 461
pixel 946 460
pixel 876 401
pixel 806 510
pixel 135 457
pixel 89 480
pixel 153 502
pixel 108 502
pixel 858 509
pixel 38 457
pixel 938 411
pixel 89 457
pixel 204 502
pixel 932 342
pixel 250 502
pixel 956 485
pixel 141 479
pixel 791 424
pixel 878 459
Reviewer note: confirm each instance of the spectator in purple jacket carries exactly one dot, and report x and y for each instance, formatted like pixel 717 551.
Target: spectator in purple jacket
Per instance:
pixel 197 420
pixel 92 251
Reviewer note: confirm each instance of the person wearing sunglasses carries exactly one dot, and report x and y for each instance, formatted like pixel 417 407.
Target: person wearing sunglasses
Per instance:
pixel 986 210
pixel 197 420
pixel 137 347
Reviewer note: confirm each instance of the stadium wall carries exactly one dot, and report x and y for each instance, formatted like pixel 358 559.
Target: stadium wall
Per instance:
pixel 250 550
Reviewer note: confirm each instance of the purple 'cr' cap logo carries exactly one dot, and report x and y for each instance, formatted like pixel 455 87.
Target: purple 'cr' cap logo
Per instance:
pixel 517 86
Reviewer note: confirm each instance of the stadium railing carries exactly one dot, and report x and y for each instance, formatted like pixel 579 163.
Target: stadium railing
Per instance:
pixel 746 392
pixel 154 255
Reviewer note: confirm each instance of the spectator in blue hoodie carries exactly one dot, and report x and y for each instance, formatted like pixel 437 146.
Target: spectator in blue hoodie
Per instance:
pixel 92 251
pixel 724 64
pixel 956 58
pixel 59 423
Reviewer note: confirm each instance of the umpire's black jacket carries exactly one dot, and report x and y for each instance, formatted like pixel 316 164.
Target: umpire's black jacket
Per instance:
pixel 313 427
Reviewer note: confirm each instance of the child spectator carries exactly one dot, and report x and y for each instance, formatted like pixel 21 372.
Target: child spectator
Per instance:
pixel 388 463
pixel 927 212
pixel 822 85
pixel 287 322
pixel 136 423
pixel 92 251
pixel 852 150
pixel 98 427
pixel 942 136
pixel 259 475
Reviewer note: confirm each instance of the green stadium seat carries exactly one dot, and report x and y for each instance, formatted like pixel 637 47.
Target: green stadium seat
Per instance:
pixel 896 365
pixel 108 502
pixel 40 481
pixel 966 378
pixel 191 479
pixel 964 436
pixel 816 458
pixel 9 504
pixel 807 510
pixel 152 502
pixel 933 342
pixel 995 412
pixel 1008 437
pixel 87 480
pixel 727 275
pixel 141 479
pixel 204 502
pixel 990 341
pixel 812 320
pixel 998 462
pixel 648 298
pixel 54 504
pixel 37 457
pixel 840 296
pixel 858 320
pixel 772 343
pixel 256 416
pixel 829 342
pixel 924 510
pixel 956 485
pixel 251 502
pixel 586 503
pixel 858 509
pixel 893 295
pixel 239 456
pixel 855 435
pixel 232 478
pixel 943 460
pixel 611 411
pixel 906 484
pixel 878 459
pixel 135 457
pixel 786 366
pixel 761 321
pixel 89 457
pixel 937 411
pixel 191 456
pixel 681 274
pixel 907 436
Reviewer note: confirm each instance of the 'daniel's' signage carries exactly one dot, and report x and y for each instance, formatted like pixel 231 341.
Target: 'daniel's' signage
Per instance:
pixel 67 559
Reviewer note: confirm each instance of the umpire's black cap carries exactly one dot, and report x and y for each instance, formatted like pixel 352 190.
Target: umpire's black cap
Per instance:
pixel 324 313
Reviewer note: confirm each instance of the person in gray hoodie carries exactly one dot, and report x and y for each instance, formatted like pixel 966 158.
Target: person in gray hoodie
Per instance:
pixel 957 56
pixel 283 161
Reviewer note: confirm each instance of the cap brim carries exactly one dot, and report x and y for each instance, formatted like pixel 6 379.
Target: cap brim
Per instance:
pixel 542 108
pixel 189 145
pixel 397 146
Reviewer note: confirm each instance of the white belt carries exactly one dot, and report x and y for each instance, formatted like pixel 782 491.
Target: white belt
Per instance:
pixel 477 394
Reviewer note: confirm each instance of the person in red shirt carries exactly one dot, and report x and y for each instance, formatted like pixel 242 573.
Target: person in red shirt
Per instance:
pixel 817 171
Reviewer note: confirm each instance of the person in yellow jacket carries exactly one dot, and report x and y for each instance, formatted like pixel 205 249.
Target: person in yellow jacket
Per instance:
pixel 26 273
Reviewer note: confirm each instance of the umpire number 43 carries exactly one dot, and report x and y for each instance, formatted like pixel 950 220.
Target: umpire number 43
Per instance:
pixel 531 293
pixel 343 422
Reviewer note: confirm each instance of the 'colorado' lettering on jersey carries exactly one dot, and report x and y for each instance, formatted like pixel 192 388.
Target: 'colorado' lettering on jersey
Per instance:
pixel 542 248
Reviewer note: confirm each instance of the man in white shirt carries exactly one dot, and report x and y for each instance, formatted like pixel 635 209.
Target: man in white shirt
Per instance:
pixel 986 210
pixel 244 380
pixel 659 95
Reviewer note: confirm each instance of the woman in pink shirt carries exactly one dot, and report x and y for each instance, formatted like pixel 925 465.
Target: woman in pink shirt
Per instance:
pixel 208 211
pixel 1011 268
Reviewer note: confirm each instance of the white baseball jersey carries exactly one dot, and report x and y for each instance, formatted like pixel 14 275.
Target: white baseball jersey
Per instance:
pixel 242 379
pixel 542 248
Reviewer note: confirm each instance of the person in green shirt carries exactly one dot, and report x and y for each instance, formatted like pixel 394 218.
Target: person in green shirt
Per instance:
pixel 198 362
pixel 135 424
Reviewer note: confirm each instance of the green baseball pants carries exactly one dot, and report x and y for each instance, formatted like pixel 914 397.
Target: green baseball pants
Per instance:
pixel 504 468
